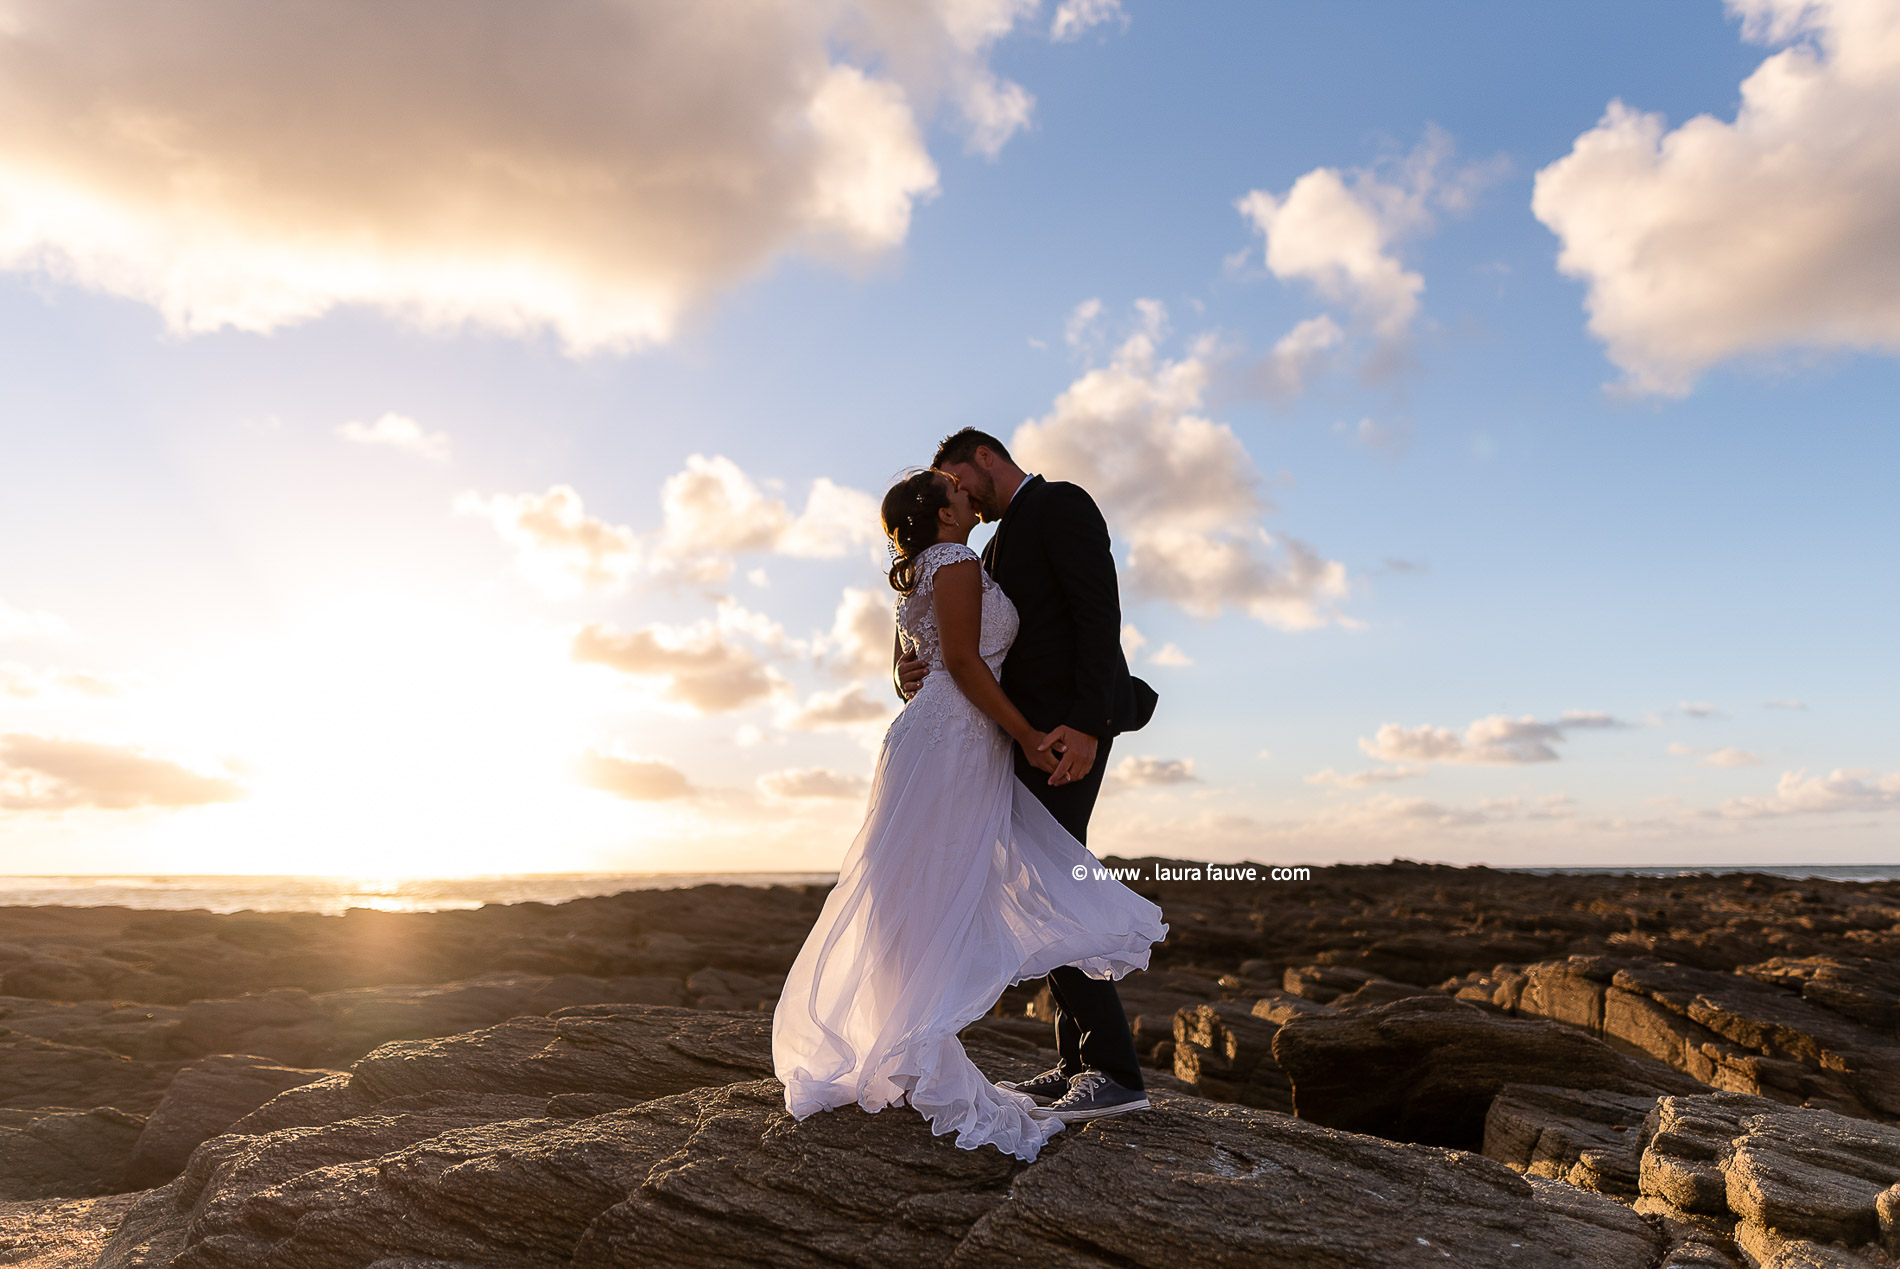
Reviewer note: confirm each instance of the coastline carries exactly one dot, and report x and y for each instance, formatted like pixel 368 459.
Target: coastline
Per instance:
pixel 331 895
pixel 1518 1062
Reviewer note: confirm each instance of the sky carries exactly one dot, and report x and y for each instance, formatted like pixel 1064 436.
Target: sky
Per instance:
pixel 444 438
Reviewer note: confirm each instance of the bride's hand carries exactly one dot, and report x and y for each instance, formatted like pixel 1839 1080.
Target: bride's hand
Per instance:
pixel 1039 758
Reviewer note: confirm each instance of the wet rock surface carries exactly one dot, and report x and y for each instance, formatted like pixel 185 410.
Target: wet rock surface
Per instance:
pixel 1488 1068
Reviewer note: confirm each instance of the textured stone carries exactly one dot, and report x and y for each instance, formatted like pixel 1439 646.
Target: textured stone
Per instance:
pixel 37 1073
pixel 192 1219
pixel 1590 1139
pixel 635 1051
pixel 1739 1033
pixel 1426 1069
pixel 203 1100
pixel 723 1176
pixel 1190 1183
pixel 752 1186
pixel 64 1153
pixel 1789 1186
pixel 1323 983
pixel 1856 987
pixel 1224 1051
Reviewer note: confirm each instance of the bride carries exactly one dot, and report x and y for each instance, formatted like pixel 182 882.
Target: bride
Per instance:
pixel 960 883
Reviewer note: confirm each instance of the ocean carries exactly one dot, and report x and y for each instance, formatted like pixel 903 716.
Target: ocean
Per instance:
pixel 332 895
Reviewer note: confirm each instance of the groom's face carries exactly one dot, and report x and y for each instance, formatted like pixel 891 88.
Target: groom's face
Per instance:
pixel 980 485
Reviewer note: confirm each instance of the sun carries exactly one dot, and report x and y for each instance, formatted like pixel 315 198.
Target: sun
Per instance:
pixel 388 735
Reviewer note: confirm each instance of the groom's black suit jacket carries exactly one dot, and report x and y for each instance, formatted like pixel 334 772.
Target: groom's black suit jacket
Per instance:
pixel 1050 554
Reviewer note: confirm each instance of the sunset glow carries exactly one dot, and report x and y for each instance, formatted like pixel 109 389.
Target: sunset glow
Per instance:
pixel 475 470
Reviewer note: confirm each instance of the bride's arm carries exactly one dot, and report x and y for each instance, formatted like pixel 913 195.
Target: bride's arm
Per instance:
pixel 959 607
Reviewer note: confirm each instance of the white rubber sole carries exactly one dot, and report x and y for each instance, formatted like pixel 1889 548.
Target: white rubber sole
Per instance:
pixel 1080 1116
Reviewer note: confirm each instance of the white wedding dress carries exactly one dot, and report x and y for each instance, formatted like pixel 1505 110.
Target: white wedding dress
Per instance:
pixel 959 884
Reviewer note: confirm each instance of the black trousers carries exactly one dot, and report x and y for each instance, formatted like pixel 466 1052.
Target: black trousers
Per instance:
pixel 1091 1028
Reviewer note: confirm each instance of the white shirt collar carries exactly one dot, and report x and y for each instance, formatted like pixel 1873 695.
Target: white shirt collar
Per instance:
pixel 1019 488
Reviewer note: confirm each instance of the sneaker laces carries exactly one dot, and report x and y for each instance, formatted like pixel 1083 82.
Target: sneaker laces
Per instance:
pixel 1086 1085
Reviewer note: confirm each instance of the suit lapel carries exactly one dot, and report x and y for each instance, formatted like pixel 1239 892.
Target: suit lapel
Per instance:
pixel 993 553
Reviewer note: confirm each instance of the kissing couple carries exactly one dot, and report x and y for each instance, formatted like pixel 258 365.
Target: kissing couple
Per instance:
pixel 969 873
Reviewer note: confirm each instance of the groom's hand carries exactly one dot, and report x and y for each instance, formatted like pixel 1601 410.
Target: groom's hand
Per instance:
pixel 1039 755
pixel 911 672
pixel 1078 753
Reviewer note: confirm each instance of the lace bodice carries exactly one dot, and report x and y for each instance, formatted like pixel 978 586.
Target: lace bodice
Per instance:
pixel 917 611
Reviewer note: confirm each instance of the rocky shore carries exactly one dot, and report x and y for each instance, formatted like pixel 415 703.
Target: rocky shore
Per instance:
pixel 1393 1065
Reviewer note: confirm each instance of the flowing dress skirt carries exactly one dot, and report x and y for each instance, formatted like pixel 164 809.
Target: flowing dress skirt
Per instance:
pixel 959 884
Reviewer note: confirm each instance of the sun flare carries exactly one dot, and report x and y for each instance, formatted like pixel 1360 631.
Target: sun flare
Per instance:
pixel 385 736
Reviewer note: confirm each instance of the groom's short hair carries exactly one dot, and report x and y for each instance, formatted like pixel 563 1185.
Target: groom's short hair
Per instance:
pixel 961 447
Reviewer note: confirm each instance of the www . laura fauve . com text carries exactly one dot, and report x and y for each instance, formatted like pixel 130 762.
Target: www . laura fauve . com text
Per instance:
pixel 1191 872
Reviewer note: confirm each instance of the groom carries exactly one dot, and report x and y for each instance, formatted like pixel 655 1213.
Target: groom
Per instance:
pixel 1067 674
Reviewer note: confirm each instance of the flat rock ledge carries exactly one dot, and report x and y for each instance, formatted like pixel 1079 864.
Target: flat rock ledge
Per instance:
pixel 569 1141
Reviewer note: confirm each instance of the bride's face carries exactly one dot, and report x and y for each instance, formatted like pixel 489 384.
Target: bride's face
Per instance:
pixel 960 506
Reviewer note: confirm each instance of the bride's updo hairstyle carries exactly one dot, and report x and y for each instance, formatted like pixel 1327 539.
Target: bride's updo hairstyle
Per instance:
pixel 910 522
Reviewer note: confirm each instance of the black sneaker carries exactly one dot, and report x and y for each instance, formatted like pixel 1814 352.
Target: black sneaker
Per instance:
pixel 1044 1088
pixel 1092 1095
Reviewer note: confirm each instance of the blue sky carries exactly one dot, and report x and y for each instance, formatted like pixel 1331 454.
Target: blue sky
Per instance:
pixel 235 639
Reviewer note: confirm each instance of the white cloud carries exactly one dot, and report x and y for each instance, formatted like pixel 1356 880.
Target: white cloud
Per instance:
pixel 1079 330
pixel 398 431
pixel 1730 757
pixel 594 171
pixel 1144 772
pixel 18 623
pixel 1493 739
pixel 636 779
pixel 558 546
pixel 862 632
pixel 1338 232
pixel 1299 355
pixel 1180 491
pixel 732 617
pixel 845 708
pixel 1170 655
pixel 23 682
pixel 1785 703
pixel 1075 18
pixel 1326 233
pixel 1699 709
pixel 1332 779
pixel 1798 793
pixel 698 666
pixel 1727 239
pixel 712 510
pixel 813 782
pixel 46 773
